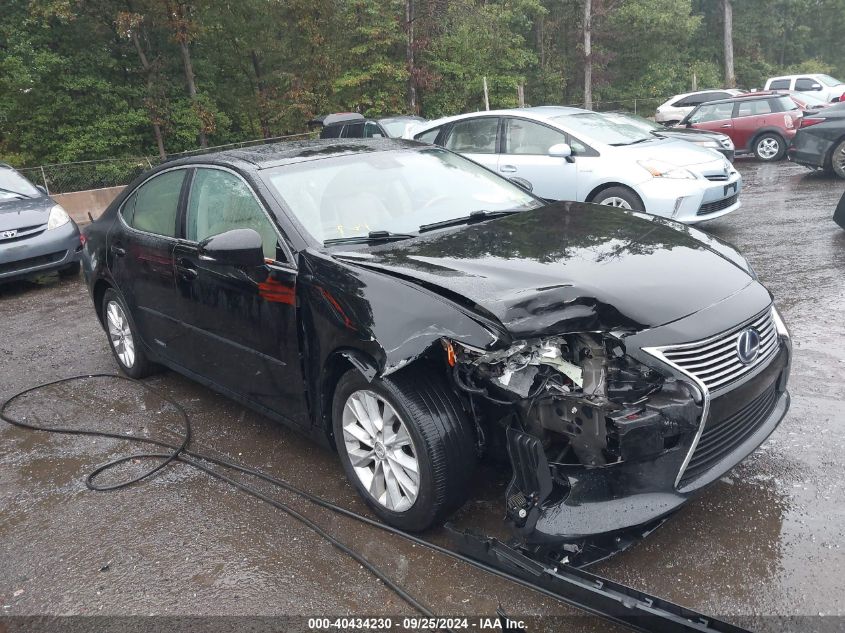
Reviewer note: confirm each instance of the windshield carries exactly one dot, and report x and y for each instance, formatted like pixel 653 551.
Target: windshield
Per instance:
pixel 396 191
pixel 602 129
pixel 809 99
pixel 12 183
pixel 625 118
pixel 827 80
pixel 396 127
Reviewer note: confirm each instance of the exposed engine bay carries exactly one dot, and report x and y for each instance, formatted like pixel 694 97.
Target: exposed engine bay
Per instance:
pixel 565 404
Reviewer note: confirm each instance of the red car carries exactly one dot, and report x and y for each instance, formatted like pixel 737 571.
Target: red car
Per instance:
pixel 758 123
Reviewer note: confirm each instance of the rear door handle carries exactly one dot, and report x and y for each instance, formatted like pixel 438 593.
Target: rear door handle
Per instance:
pixel 186 269
pixel 507 169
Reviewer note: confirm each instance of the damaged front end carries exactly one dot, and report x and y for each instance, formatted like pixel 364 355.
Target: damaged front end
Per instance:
pixel 595 437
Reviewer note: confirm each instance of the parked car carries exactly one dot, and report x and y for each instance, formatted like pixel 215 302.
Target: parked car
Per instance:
pixel 677 107
pixel 573 154
pixel 401 303
pixel 820 141
pixel 807 101
pixel 36 234
pixel 355 125
pixel 703 138
pixel 763 124
pixel 824 86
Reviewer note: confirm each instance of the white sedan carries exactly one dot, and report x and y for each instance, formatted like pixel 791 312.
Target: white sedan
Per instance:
pixel 563 153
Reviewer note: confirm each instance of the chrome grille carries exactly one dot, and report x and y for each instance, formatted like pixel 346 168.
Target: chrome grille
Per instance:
pixel 715 362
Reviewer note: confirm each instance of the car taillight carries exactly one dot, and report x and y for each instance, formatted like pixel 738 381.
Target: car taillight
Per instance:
pixel 811 121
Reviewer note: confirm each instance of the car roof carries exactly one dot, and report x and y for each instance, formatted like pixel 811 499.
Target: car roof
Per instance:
pixel 276 154
pixel 700 92
pixel 538 113
pixel 793 76
pixel 751 96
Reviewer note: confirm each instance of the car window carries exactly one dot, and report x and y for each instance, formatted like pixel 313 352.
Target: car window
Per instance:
pixel 474 136
pixel 527 137
pixel 827 80
pixel 783 104
pixel 754 107
pixel 353 130
pixel 220 201
pixel 331 131
pixel 372 130
pixel 803 84
pixel 154 205
pixel 13 183
pixel 681 103
pixel 779 84
pixel 429 136
pixel 715 112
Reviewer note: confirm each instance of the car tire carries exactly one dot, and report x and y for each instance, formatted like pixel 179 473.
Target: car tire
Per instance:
pixel 70 271
pixel 123 337
pixel 770 147
pixel 837 159
pixel 438 441
pixel 620 197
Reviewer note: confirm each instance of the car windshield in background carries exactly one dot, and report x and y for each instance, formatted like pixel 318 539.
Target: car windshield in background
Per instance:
pixel 13 185
pixel 810 99
pixel 395 127
pixel 394 191
pixel 788 104
pixel 827 80
pixel 597 127
pixel 638 122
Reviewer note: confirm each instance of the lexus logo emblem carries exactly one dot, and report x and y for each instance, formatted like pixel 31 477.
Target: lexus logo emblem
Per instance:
pixel 7 234
pixel 748 346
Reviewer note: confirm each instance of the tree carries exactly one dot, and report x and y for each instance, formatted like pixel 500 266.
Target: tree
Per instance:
pixel 588 54
pixel 730 77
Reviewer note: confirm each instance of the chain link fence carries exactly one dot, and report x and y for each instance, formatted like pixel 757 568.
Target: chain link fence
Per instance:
pixel 644 107
pixel 98 174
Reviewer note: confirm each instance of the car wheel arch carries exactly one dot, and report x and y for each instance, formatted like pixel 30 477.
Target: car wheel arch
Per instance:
pixel 828 160
pixel 336 365
pixel 766 130
pixel 608 185
pixel 99 292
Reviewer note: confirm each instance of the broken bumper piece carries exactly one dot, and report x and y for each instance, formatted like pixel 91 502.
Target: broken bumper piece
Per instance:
pixel 588 513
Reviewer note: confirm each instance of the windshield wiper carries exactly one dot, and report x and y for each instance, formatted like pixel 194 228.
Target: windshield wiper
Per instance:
pixel 475 216
pixel 372 236
pixel 22 196
pixel 639 140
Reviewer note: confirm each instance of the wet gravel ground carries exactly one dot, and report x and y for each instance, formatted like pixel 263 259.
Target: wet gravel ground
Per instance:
pixel 769 540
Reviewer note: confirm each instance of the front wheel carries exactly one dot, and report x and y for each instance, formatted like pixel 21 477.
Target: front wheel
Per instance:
pixel 770 147
pixel 405 445
pixel 619 197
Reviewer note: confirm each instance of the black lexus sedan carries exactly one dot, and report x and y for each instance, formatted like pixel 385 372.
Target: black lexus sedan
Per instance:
pixel 820 141
pixel 416 311
pixel 36 234
pixel 717 141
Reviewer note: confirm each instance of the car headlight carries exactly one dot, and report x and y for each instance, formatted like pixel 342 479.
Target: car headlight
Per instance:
pixel 708 143
pixel 58 217
pixel 661 169
pixel 727 143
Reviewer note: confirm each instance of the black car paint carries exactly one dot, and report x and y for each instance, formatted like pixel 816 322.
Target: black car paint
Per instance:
pixel 813 145
pixel 28 218
pixel 276 338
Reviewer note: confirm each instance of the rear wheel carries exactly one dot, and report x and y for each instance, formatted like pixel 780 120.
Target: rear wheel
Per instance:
pixel 123 338
pixel 405 445
pixel 837 159
pixel 769 147
pixel 619 197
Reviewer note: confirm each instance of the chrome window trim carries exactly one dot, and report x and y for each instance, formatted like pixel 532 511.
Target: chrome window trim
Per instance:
pixel 706 394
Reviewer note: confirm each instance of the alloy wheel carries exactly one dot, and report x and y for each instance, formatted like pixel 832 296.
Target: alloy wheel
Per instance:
pixel 120 334
pixel 838 160
pixel 381 450
pixel 768 148
pixel 615 201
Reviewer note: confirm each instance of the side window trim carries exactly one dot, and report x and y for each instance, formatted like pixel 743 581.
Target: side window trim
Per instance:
pixel 179 210
pixel 286 248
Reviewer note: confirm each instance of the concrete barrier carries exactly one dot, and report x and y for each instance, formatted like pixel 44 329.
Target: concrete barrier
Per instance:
pixel 80 203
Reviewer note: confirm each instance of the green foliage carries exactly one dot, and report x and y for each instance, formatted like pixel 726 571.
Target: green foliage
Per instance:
pixel 95 79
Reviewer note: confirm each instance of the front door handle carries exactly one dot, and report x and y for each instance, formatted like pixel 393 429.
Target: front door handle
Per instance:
pixel 507 169
pixel 726 125
pixel 117 251
pixel 186 269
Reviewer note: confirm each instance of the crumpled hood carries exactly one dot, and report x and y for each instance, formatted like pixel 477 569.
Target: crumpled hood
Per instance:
pixel 19 214
pixel 566 267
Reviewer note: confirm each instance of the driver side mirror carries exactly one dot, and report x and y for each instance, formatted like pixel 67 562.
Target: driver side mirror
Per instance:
pixel 42 189
pixel 561 150
pixel 241 248
pixel 816 87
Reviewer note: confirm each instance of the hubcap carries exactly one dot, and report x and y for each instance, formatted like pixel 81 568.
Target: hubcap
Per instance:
pixel 768 148
pixel 616 201
pixel 119 334
pixel 381 450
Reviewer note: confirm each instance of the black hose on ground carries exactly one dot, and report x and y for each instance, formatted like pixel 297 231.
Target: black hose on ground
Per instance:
pixel 181 453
